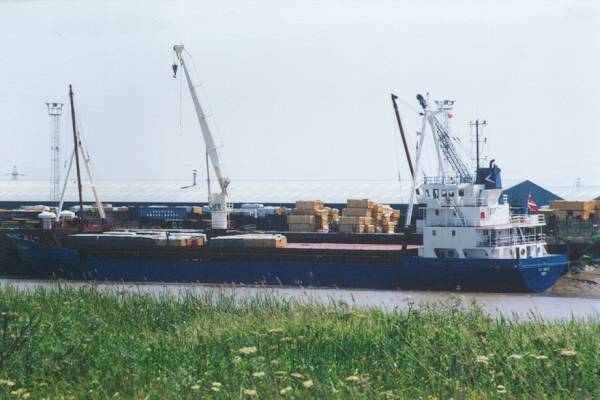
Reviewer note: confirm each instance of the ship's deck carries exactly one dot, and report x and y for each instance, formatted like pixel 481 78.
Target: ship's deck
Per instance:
pixel 350 246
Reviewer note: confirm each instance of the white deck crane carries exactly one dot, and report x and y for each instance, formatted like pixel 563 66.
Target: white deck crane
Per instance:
pixel 219 206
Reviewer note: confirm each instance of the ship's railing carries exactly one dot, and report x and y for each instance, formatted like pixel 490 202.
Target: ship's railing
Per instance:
pixel 511 240
pixel 536 219
pixel 446 179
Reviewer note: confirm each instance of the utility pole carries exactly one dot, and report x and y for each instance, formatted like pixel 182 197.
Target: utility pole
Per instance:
pixel 54 111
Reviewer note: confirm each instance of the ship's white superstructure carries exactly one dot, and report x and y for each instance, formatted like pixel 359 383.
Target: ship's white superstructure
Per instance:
pixel 466 216
pixel 466 220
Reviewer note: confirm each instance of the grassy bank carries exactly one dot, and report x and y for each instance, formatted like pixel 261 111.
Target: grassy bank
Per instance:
pixel 80 343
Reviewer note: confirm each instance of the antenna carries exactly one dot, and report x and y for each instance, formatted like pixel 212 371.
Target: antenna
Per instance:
pixel 14 175
pixel 478 136
pixel 54 111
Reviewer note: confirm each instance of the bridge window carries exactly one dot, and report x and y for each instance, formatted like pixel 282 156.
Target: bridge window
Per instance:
pixel 461 192
pixel 427 193
pixel 451 193
pixel 437 212
pixel 444 193
pixel 436 193
pixel 446 253
pixel 433 232
pixel 453 233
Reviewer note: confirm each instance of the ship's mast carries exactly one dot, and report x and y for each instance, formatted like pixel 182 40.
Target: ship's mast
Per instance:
pixel 76 152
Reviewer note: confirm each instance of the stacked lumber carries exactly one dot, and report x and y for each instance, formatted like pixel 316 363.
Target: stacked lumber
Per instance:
pixel 309 216
pixel 250 240
pixel 583 210
pixel 366 216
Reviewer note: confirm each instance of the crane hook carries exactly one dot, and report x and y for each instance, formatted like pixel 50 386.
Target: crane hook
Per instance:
pixel 174 70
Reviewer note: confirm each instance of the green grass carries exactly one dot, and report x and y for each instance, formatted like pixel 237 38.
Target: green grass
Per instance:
pixel 83 343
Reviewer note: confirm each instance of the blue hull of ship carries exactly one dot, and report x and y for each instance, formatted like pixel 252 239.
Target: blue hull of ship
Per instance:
pixel 500 275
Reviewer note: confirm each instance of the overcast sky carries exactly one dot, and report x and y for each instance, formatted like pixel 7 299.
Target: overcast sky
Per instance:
pixel 300 89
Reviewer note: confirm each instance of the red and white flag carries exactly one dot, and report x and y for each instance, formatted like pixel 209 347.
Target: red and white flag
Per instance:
pixel 531 204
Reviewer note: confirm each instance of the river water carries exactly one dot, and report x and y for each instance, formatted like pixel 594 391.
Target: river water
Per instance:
pixel 519 307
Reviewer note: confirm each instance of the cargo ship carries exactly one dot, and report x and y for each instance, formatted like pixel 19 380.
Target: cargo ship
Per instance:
pixel 471 242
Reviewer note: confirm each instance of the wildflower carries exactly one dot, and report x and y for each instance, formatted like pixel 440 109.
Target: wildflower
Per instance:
pixel 541 357
pixel 567 352
pixel 352 378
pixel 280 373
pixel 274 362
pixel 237 359
pixel 26 395
pixel 296 375
pixel 500 389
pixel 215 388
pixel 515 357
pixel 276 330
pixel 307 384
pixel 248 350
pixel 216 384
pixel 389 394
pixel 482 360
pixel 286 339
pixel 9 315
pixel 195 387
pixel 285 390
pixel 18 392
pixel 6 382
pixel 249 392
pixel 258 374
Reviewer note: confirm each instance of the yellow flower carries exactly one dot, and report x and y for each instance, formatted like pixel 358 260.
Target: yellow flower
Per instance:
pixel 216 384
pixel 195 387
pixel 286 339
pixel 307 384
pixel 482 360
pixel 352 378
pixel 274 362
pixel 258 374
pixel 6 382
pixel 249 392
pixel 215 388
pixel 500 389
pixel 248 350
pixel 276 330
pixel 26 395
pixel 515 356
pixel 285 390
pixel 8 315
pixel 237 359
pixel 542 357
pixel 567 352
pixel 296 375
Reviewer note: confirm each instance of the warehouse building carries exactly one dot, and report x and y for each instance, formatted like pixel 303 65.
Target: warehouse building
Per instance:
pixel 519 193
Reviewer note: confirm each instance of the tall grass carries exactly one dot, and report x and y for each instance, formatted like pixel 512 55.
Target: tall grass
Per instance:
pixel 85 343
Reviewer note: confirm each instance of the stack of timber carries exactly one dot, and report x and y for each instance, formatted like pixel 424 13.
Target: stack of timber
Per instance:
pixel 311 216
pixel 581 210
pixel 136 239
pixel 249 240
pixel 366 216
